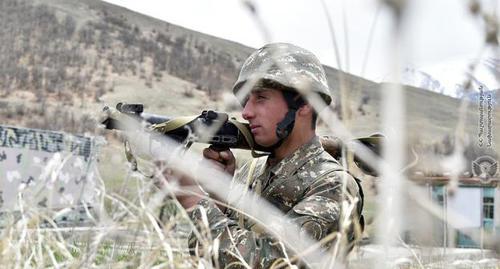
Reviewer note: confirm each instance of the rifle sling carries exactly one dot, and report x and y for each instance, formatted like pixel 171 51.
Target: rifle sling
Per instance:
pixel 172 124
pixel 248 137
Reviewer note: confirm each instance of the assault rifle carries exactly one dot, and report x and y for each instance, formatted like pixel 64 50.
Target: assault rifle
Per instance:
pixel 218 130
pixel 210 127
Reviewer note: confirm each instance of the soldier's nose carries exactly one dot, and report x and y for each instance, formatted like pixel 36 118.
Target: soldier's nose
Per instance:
pixel 247 112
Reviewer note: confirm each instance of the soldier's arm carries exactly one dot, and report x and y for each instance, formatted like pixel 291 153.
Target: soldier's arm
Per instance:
pixel 236 244
pixel 318 215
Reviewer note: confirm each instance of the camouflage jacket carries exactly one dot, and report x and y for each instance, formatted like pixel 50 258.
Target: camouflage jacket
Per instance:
pixel 306 186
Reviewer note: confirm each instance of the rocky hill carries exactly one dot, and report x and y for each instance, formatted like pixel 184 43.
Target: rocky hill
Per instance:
pixel 74 52
pixel 62 60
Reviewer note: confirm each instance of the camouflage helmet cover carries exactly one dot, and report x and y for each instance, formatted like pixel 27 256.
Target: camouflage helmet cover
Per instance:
pixel 291 66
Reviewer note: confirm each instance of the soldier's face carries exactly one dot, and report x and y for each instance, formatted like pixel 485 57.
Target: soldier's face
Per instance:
pixel 264 109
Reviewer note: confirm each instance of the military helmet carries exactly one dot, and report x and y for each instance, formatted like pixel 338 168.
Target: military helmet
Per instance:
pixel 290 66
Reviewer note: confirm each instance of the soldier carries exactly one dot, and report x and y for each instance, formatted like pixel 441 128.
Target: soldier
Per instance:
pixel 299 177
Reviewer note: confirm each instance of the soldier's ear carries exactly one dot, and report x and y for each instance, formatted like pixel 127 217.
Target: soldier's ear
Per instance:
pixel 305 110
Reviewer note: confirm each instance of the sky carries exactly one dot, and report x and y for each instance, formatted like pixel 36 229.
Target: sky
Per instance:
pixel 439 37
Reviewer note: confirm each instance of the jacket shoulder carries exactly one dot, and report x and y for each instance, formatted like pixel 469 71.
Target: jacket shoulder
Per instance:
pixel 319 166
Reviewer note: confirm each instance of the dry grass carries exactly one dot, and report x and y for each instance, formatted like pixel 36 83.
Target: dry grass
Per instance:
pixel 126 227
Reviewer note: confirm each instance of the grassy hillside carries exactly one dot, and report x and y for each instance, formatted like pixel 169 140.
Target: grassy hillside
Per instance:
pixel 61 61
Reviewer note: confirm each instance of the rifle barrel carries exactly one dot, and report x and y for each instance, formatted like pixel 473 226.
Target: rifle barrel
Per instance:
pixel 154 118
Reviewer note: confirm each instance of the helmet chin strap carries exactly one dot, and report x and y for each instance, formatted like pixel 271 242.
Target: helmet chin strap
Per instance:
pixel 285 126
pixel 283 129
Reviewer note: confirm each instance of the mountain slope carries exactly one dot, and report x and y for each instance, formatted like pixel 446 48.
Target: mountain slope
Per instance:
pixel 69 58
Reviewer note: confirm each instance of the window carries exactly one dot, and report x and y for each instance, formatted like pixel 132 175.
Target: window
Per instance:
pixel 438 194
pixel 464 241
pixel 488 208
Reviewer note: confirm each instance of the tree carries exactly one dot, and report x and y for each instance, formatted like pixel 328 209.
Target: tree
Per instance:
pixel 69 26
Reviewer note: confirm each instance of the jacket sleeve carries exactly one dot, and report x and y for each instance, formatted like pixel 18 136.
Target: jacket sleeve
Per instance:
pixel 318 214
pixel 236 247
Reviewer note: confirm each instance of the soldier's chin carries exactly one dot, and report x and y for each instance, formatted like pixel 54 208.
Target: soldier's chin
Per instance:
pixel 264 142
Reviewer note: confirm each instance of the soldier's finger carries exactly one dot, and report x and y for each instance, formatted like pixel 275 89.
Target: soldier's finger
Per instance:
pixel 226 155
pixel 218 165
pixel 211 154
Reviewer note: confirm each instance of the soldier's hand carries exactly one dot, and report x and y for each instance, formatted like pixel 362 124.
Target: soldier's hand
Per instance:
pixel 222 159
pixel 189 192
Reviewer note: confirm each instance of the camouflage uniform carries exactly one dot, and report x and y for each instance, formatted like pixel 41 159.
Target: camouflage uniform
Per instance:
pixel 306 186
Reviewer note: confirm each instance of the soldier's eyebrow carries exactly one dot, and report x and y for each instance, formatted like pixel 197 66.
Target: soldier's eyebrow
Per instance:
pixel 261 91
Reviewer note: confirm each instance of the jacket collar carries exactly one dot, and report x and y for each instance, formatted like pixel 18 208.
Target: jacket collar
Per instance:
pixel 298 158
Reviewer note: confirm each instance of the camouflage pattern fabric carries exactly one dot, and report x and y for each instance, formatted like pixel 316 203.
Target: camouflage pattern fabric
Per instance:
pixel 306 186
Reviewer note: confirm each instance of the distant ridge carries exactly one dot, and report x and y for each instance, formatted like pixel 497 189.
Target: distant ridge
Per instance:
pixel 69 57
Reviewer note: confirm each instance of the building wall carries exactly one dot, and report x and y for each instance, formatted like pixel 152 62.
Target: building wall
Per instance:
pixel 467 205
pixel 464 209
pixel 44 168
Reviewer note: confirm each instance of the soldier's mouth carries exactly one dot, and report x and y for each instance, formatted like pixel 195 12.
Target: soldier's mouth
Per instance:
pixel 254 128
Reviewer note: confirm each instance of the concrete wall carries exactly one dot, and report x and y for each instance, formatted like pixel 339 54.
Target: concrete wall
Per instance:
pixel 467 204
pixel 44 168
